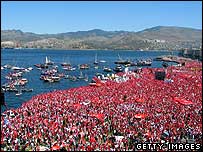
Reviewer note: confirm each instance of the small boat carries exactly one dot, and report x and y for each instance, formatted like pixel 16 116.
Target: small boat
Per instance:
pixel 48 61
pixel 17 68
pixel 83 66
pixel 8 66
pixel 102 61
pixel 95 60
pixel 61 75
pixel 24 80
pixel 55 66
pixel 65 64
pixel 55 78
pixel 86 78
pixel 81 75
pixel 105 69
pixel 30 68
pixel 133 64
pixel 68 68
pixel 144 62
pixel 48 79
pixel 121 61
pixel 27 90
pixel 19 92
pixel 96 67
pixel 41 66
pixel 73 78
pixel 118 68
pixel 67 76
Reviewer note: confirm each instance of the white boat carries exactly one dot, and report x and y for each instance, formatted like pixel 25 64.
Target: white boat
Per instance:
pixel 106 69
pixel 86 78
pixel 16 68
pixel 30 68
pixel 102 61
pixel 8 66
pixel 55 78
pixel 19 92
pixel 48 61
pixel 95 60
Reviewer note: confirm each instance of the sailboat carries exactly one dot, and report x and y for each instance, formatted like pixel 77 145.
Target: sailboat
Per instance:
pixel 86 78
pixel 19 92
pixel 48 61
pixel 121 61
pixel 64 63
pixel 95 60
pixel 81 75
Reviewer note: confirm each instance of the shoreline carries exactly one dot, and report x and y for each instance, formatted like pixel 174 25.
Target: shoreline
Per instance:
pixel 87 49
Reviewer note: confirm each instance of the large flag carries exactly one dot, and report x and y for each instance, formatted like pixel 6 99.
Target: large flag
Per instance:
pixel 183 101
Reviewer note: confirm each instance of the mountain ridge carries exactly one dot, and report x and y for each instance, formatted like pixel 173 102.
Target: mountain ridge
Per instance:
pixel 158 37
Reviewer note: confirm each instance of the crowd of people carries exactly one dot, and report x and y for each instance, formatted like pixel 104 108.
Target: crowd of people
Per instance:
pixel 112 116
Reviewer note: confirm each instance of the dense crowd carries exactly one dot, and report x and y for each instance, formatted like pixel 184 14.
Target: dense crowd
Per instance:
pixel 113 116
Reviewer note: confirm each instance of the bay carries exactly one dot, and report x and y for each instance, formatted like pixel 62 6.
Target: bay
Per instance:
pixel 28 57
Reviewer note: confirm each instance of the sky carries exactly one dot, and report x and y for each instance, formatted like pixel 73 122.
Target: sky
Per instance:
pixel 69 16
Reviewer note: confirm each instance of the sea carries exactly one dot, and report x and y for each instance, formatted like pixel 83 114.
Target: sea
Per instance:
pixel 29 57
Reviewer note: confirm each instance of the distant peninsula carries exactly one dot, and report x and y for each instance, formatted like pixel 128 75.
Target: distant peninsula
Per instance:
pixel 155 38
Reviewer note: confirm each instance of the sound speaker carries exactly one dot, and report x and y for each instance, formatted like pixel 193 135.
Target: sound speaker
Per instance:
pixel 160 75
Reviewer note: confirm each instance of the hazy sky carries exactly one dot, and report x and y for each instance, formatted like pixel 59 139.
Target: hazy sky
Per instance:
pixel 66 16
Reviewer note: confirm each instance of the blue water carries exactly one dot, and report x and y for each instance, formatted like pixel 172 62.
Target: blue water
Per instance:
pixel 28 57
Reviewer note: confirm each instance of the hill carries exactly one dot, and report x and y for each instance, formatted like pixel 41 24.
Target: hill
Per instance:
pixel 156 38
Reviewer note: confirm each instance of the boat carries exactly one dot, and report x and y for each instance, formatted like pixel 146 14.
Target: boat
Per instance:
pixel 96 67
pixel 118 68
pixel 73 78
pixel 83 66
pixel 68 68
pixel 121 61
pixel 55 78
pixel 65 63
pixel 147 62
pixel 48 79
pixel 67 76
pixel 106 69
pixel 27 90
pixel 19 92
pixel 102 61
pixel 8 66
pixel 55 66
pixel 48 61
pixel 81 75
pixel 17 68
pixel 41 66
pixel 86 78
pixel 61 75
pixel 95 60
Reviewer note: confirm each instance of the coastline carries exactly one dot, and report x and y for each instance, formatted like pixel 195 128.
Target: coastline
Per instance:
pixel 86 49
